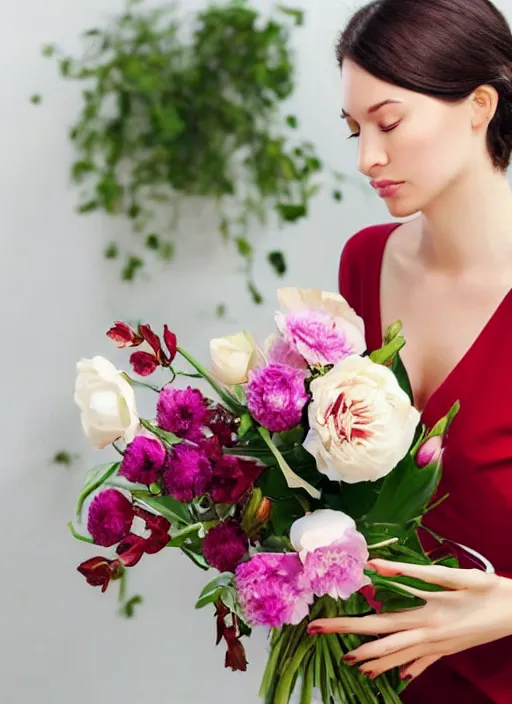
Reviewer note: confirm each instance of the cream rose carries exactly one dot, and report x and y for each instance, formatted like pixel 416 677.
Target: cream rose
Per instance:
pixel 344 316
pixel 233 356
pixel 106 401
pixel 361 422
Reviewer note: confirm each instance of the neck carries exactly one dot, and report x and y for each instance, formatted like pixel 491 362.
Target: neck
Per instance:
pixel 469 226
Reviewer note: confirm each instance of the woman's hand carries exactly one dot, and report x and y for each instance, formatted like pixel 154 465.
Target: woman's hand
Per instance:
pixel 476 608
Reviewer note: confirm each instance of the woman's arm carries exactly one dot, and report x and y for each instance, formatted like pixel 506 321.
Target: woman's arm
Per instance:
pixel 474 608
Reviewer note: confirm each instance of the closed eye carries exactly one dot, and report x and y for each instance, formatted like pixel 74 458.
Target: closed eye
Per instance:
pixel 383 129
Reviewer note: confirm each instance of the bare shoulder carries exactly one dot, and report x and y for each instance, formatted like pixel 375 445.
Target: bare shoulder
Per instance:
pixel 401 252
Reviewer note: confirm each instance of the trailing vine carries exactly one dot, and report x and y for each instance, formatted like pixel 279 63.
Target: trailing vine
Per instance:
pixel 178 106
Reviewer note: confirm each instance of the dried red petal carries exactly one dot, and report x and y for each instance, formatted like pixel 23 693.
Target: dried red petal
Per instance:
pixel 235 654
pixel 152 339
pixel 171 343
pixel 143 363
pixel 122 335
pixel 131 549
pixel 98 571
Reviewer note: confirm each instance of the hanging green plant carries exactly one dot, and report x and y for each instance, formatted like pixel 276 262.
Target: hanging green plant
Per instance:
pixel 176 107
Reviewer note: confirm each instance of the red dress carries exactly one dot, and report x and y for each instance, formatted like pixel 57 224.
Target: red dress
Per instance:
pixel 477 466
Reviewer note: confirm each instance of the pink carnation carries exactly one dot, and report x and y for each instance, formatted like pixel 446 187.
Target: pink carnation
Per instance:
pixel 281 352
pixel 276 396
pixel 272 589
pixel 143 460
pixel 315 336
pixel 338 569
pixel 188 472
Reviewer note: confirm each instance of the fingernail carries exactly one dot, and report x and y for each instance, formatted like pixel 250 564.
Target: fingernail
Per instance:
pixel 368 673
pixel 349 658
pixel 405 677
pixel 315 630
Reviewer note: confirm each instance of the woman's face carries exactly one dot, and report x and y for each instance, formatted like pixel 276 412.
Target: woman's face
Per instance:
pixel 407 137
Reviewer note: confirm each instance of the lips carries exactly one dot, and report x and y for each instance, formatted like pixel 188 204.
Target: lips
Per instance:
pixel 384 184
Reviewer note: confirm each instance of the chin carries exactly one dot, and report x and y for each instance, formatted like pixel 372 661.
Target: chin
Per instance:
pixel 402 207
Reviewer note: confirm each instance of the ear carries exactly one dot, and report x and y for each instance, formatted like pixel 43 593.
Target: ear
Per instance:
pixel 484 103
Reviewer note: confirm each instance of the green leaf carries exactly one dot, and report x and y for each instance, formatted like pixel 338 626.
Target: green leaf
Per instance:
pixel 132 265
pixel 277 262
pixel 111 251
pixel 88 207
pixel 405 492
pixel 402 377
pixel 297 15
pixel 168 438
pixel 284 513
pixel 213 589
pixel 255 294
pixel 337 195
pixel 48 50
pixel 36 99
pixel 290 212
pixel 220 310
pixel 176 512
pixel 152 241
pixel 292 121
pixel 94 478
pixel 244 247
pixel 196 558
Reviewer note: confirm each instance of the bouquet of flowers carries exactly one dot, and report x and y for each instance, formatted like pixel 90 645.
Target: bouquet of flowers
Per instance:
pixel 310 461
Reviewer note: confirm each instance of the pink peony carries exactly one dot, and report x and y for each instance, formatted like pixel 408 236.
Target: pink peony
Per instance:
pixel 225 545
pixel 276 396
pixel 281 352
pixel 188 472
pixel 338 569
pixel 143 459
pixel 182 412
pixel 272 589
pixel 314 336
pixel 110 517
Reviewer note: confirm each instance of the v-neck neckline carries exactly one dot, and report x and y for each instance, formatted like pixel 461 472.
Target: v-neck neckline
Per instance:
pixel 456 369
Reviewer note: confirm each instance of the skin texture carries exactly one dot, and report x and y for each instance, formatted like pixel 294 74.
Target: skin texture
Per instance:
pixel 444 273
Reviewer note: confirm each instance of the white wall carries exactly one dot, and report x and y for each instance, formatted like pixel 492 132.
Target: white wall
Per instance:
pixel 61 640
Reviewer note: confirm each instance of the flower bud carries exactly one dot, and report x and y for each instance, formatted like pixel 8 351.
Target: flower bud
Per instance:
pixel 233 356
pixel 122 335
pixel 429 451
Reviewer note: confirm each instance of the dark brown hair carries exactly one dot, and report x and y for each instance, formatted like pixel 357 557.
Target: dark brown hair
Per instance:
pixel 441 48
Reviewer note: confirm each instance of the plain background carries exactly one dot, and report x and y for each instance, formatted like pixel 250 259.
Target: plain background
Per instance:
pixel 62 641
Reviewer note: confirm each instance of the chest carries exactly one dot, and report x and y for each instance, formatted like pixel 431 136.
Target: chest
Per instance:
pixel 444 324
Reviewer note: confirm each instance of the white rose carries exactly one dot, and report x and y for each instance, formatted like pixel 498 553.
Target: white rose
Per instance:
pixel 233 356
pixel 319 529
pixel 361 422
pixel 107 402
pixel 344 316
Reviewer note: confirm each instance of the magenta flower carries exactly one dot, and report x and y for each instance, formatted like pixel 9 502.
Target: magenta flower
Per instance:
pixel 276 396
pixel 232 477
pixel 338 569
pixel 182 412
pixel 110 517
pixel 143 459
pixel 314 336
pixel 225 545
pixel 272 589
pixel 188 472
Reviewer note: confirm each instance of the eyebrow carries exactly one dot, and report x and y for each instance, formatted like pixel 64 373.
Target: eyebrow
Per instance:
pixel 373 108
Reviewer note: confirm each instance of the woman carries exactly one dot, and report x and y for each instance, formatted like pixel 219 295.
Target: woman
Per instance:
pixel 427 91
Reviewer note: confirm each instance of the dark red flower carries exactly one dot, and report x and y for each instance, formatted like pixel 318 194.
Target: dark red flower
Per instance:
pixel 225 545
pixel 143 363
pixel 232 478
pixel 223 424
pixel 152 339
pixel 122 335
pixel 131 549
pixel 212 448
pixel 98 571
pixel 159 527
pixel 171 343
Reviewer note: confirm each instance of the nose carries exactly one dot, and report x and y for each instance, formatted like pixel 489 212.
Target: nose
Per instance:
pixel 371 154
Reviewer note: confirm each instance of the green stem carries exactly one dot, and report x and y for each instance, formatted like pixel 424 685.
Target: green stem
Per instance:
pixel 283 691
pixel 270 669
pixel 144 384
pixel 389 695
pixel 383 544
pixel 179 537
pixel 78 536
pixel 228 399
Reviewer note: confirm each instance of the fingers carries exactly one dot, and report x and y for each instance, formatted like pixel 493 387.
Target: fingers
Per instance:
pixel 418 666
pixel 447 577
pixel 386 646
pixel 377 667
pixel 368 625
